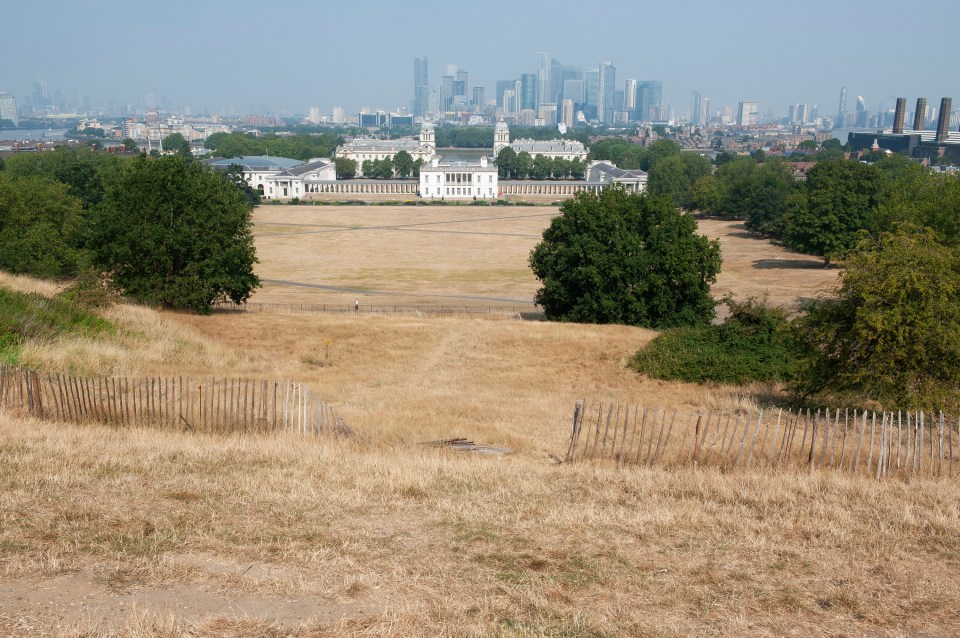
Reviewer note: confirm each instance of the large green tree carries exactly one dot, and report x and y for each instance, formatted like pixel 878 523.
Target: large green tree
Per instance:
pixel 177 143
pixel 891 333
pixel 838 201
pixel 346 168
pixel 403 164
pixel 40 225
pixel 172 232
pixel 619 257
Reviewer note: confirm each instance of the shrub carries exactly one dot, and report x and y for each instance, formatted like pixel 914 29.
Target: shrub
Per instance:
pixel 753 344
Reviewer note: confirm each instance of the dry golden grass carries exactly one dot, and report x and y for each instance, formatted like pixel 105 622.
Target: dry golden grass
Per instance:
pixel 313 538
pixel 464 255
pixel 111 532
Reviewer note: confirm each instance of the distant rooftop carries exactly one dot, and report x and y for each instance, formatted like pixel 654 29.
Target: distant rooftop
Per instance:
pixel 256 162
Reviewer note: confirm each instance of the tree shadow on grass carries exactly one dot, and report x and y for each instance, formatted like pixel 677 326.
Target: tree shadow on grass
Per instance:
pixel 792 264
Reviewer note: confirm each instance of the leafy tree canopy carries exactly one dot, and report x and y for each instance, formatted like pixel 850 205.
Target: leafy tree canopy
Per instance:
pixel 174 233
pixel 619 257
pixel 892 331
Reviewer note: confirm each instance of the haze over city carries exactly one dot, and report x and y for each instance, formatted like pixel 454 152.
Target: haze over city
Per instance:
pixel 248 57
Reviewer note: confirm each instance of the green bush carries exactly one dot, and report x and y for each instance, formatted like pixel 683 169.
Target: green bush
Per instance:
pixel 753 344
pixel 26 316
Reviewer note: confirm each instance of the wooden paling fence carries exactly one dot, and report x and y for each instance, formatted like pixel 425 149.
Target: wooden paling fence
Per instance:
pixel 882 444
pixel 187 403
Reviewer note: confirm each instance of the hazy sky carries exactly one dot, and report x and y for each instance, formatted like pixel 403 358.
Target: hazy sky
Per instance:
pixel 293 54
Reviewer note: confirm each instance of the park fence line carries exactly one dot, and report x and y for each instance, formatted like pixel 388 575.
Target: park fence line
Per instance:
pixel 912 443
pixel 510 312
pixel 208 404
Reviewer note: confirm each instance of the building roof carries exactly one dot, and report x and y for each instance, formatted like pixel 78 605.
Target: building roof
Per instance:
pixel 618 173
pixel 256 162
pixel 548 146
pixel 367 145
pixel 297 171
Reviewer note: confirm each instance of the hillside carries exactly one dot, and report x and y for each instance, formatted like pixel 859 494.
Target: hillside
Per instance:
pixel 144 532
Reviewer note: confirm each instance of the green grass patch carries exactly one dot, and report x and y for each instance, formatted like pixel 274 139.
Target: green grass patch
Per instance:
pixel 29 316
pixel 753 344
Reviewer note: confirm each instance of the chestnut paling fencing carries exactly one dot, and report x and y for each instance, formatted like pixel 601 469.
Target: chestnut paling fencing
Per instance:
pixel 901 443
pixel 186 403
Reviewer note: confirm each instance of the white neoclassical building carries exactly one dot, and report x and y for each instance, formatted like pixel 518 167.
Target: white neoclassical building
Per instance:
pixel 363 149
pixel 459 180
pixel 554 149
pixel 280 177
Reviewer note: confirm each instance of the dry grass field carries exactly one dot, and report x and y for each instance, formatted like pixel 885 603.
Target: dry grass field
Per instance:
pixel 107 531
pixel 465 255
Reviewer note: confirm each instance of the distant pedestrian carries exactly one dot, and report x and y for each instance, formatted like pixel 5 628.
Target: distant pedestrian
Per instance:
pixel 356 305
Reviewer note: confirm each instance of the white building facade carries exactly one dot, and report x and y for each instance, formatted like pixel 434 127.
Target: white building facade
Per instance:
pixel 364 149
pixel 459 180
pixel 554 149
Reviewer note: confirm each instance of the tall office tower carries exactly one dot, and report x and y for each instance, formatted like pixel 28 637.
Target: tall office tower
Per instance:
pixel 705 112
pixel 528 91
pixel 695 99
pixel 605 92
pixel 899 114
pixel 421 86
pixel 8 108
pixel 591 92
pixel 862 115
pixel 573 90
pixel 461 85
pixel 649 101
pixel 503 85
pixel 943 122
pixel 510 102
pixel 548 113
pixel 842 109
pixel 566 115
pixel 802 116
pixel 792 114
pixel 41 99
pixel 446 91
pixel 748 114
pixel 543 79
pixel 920 115
pixel 559 74
pixel 630 96
pixel 314 115
pixel 814 113
pixel 479 97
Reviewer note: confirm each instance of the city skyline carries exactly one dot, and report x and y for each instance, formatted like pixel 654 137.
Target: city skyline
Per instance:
pixel 234 60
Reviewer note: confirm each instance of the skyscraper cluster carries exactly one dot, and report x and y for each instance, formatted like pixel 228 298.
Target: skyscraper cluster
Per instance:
pixel 554 93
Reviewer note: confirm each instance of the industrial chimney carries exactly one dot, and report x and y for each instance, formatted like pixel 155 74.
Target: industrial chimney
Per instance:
pixel 943 121
pixel 899 114
pixel 920 116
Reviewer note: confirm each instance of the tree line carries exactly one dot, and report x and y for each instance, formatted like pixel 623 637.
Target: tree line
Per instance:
pixel 513 165
pixel 167 230
pixel 302 147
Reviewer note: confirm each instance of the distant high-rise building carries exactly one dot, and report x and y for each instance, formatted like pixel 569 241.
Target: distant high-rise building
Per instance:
pixel 528 91
pixel 503 85
pixel 792 114
pixel 461 87
pixel 705 111
pixel 573 90
pixel 559 75
pixel 630 96
pixel 566 115
pixel 842 109
pixel 510 102
pixel 479 97
pixel 605 92
pixel 649 101
pixel 314 115
pixel 8 108
pixel 695 99
pixel 446 91
pixel 548 113
pixel 421 86
pixel 862 116
pixel 337 115
pixel 543 79
pixel 802 115
pixel 41 99
pixel 748 114
pixel 592 92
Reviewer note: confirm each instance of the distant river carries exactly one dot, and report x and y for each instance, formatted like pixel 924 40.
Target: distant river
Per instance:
pixel 32 134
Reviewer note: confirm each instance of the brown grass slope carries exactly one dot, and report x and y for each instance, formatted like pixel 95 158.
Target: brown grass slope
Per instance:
pixel 107 531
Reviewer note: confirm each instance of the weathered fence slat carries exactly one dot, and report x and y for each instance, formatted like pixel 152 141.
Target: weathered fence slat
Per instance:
pixel 190 404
